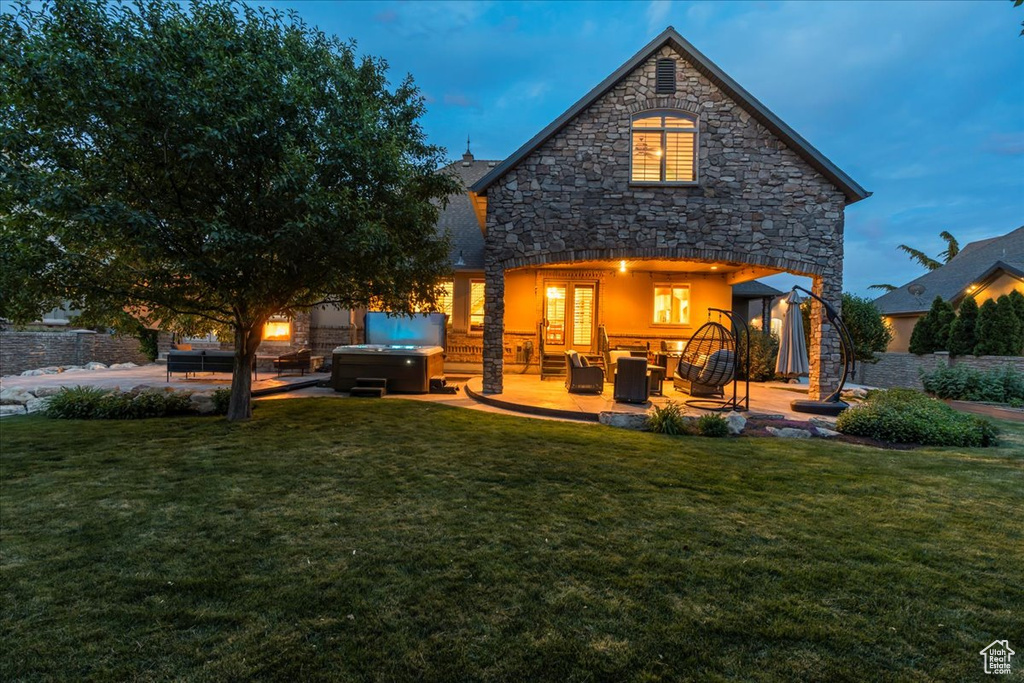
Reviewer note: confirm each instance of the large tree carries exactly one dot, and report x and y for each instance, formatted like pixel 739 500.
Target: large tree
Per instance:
pixel 208 167
pixel 947 255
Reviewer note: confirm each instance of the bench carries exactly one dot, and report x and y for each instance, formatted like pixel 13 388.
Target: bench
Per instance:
pixel 297 360
pixel 200 361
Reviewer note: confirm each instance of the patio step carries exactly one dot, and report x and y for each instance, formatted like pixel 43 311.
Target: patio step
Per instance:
pixel 368 392
pixel 372 382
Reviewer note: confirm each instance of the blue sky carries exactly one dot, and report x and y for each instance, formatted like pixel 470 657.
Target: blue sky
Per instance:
pixel 922 103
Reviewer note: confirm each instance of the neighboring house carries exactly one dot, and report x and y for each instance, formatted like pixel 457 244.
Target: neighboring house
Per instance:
pixel 985 269
pixel 644 204
pixel 758 305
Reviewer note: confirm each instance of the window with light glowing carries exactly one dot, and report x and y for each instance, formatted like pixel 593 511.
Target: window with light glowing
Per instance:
pixel 672 304
pixel 446 302
pixel 664 148
pixel 277 330
pixel 476 306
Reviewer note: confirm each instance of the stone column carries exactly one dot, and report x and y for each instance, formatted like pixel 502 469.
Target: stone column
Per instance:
pixel 494 326
pixel 825 352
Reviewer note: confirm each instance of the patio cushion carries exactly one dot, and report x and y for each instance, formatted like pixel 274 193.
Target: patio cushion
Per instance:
pixel 719 367
pixel 574 358
pixel 584 363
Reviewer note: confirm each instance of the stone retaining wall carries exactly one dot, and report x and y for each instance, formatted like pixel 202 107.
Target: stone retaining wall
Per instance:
pixel 20 351
pixel 899 369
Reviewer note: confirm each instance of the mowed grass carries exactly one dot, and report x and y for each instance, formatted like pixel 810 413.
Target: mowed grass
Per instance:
pixel 400 540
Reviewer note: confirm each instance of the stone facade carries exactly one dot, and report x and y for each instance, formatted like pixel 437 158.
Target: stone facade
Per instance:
pixel 20 351
pixel 896 369
pixel 755 202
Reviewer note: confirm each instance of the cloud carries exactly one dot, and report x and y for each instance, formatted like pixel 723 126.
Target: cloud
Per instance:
pixel 458 100
pixel 1005 144
pixel 657 13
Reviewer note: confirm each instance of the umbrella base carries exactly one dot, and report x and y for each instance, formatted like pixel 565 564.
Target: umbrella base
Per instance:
pixel 819 407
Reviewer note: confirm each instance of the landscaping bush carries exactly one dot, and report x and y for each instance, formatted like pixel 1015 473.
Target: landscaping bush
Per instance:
pixel 90 403
pixel 221 399
pixel 999 330
pixel 712 425
pixel 931 333
pixel 961 331
pixel 764 351
pixel 908 416
pixel 963 383
pixel 868 331
pixel 667 419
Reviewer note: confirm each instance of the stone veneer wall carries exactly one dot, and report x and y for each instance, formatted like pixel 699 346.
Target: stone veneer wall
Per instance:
pixel 898 369
pixel 20 351
pixel 324 339
pixel 756 202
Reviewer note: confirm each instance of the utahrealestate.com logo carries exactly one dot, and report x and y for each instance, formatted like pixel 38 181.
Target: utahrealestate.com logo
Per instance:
pixel 997 657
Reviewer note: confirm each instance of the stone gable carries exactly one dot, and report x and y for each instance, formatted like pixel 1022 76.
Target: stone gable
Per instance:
pixel 756 200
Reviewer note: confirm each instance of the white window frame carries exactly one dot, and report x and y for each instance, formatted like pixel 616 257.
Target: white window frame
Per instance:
pixel 664 130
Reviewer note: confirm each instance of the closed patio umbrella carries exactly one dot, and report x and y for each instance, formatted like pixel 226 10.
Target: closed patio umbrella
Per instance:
pixel 792 361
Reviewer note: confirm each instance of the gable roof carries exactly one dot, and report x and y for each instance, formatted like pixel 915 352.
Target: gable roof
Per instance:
pixel 975 263
pixel 853 191
pixel 460 219
pixel 754 289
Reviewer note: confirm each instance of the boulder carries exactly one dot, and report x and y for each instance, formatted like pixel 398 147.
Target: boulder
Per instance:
pixel 95 366
pixel 75 369
pixel 202 402
pixel 825 433
pixel 32 373
pixel 766 416
pixel 856 392
pixel 44 392
pixel 825 422
pixel 736 422
pixel 50 370
pixel 36 405
pixel 6 410
pixel 637 421
pixel 140 388
pixel 789 433
pixel 16 394
pixel 123 366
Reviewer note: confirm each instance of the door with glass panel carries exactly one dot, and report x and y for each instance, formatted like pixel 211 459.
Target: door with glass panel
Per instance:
pixel 569 314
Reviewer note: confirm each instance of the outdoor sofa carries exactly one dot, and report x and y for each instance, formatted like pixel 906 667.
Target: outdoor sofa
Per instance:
pixel 192 362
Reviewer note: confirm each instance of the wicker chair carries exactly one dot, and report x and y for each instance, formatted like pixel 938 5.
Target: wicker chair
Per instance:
pixel 708 362
pixel 631 382
pixel 580 376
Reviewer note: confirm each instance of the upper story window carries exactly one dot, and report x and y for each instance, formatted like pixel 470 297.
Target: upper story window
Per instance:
pixel 664 147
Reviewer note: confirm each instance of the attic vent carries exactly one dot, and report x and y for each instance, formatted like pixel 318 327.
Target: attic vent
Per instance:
pixel 665 77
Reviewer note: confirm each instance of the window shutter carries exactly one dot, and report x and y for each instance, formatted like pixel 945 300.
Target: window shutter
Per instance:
pixel 665 77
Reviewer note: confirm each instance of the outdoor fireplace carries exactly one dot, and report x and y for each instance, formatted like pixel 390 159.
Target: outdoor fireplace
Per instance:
pixel 277 329
pixel 404 351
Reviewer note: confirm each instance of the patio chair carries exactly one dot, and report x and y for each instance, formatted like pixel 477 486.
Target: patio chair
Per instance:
pixel 582 377
pixel 708 362
pixel 297 360
pixel 631 382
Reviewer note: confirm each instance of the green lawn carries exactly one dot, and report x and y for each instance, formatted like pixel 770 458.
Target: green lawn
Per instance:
pixel 394 540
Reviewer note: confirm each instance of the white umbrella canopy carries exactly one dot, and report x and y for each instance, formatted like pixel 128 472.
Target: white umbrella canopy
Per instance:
pixel 792 360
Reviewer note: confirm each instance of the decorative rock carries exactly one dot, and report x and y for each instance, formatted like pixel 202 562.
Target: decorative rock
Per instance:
pixel 51 370
pixel 32 373
pixel 16 394
pixel 138 389
pixel 766 416
pixel 95 366
pixel 75 369
pixel 635 421
pixel 6 410
pixel 123 366
pixel 36 405
pixel 44 392
pixel 789 433
pixel 856 392
pixel 736 422
pixel 825 433
pixel 826 422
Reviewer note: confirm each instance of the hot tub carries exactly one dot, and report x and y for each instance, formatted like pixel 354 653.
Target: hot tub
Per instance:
pixel 406 352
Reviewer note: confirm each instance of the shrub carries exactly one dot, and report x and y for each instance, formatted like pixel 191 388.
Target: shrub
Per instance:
pixel 712 425
pixel 147 342
pixel 89 403
pixel 75 403
pixel 963 383
pixel 764 352
pixel 667 419
pixel 221 399
pixel 961 331
pixel 869 332
pixel 908 416
pixel 999 330
pixel 931 333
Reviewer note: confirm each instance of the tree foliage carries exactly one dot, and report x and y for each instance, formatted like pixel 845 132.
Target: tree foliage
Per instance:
pixel 946 255
pixel 869 332
pixel 961 332
pixel 206 168
pixel 931 333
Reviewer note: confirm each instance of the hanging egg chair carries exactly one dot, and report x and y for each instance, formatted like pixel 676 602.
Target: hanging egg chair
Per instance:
pixel 708 362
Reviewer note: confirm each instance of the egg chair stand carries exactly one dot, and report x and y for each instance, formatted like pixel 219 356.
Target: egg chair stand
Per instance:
pixel 710 361
pixel 831 404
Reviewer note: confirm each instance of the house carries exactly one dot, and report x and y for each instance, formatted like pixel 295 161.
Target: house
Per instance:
pixel 985 269
pixel 758 305
pixel 640 207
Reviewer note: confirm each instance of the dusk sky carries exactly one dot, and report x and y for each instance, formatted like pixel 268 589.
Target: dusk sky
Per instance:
pixel 922 103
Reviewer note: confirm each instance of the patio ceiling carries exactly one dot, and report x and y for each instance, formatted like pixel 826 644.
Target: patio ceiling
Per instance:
pixel 734 272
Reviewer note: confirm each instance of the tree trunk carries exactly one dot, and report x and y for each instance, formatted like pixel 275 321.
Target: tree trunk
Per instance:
pixel 246 343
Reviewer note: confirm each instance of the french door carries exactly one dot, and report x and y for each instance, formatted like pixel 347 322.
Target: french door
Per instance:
pixel 569 315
